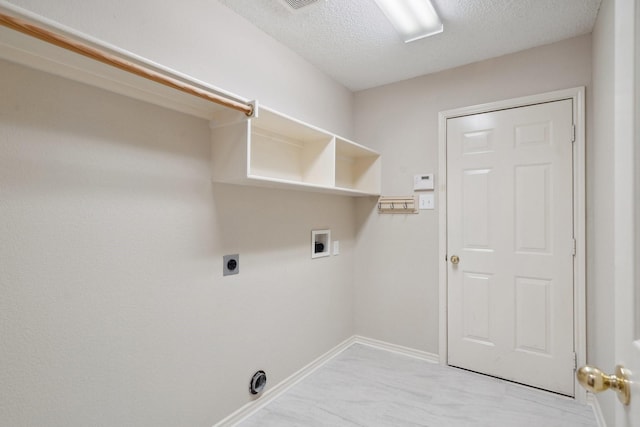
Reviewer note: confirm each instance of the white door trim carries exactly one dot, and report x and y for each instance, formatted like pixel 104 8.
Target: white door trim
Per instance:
pixel 579 212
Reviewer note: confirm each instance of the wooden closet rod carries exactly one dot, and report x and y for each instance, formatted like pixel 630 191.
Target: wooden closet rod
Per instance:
pixel 122 64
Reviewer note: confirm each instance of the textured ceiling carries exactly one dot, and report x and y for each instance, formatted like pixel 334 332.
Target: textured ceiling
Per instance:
pixel 352 41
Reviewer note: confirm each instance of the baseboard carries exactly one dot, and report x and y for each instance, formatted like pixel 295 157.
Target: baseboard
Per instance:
pixel 273 393
pixel 407 351
pixel 597 412
pixel 270 395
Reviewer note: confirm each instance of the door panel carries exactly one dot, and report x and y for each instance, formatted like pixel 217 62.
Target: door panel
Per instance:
pixel 532 315
pixel 476 185
pixel 532 209
pixel 626 270
pixel 476 296
pixel 510 220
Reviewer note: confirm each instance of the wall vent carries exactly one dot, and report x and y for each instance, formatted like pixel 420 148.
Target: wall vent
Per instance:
pixel 298 4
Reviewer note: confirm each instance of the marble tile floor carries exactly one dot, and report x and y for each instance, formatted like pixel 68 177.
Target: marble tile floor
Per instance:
pixel 366 386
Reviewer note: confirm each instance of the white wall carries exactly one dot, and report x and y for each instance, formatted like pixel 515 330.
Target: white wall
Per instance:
pixel 114 310
pixel 397 265
pixel 601 190
pixel 206 40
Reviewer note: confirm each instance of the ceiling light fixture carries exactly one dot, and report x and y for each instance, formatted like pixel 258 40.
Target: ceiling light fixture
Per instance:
pixel 413 19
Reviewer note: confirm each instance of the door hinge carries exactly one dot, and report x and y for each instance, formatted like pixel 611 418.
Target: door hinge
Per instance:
pixel 575 361
pixel 573 133
pixel 575 245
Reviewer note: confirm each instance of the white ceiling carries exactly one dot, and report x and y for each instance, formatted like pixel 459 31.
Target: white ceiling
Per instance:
pixel 352 41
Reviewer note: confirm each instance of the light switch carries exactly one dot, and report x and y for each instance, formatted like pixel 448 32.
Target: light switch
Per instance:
pixel 427 201
pixel 336 247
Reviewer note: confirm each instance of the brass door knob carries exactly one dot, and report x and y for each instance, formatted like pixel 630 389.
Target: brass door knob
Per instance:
pixel 455 259
pixel 594 380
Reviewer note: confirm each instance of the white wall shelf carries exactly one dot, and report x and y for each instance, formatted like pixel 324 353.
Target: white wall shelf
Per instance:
pixel 269 150
pixel 275 150
pixel 357 167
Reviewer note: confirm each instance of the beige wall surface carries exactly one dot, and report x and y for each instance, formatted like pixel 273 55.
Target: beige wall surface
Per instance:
pixel 114 310
pixel 208 41
pixel 397 255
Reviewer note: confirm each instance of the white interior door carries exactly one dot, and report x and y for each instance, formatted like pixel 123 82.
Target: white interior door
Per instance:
pixel 510 222
pixel 627 205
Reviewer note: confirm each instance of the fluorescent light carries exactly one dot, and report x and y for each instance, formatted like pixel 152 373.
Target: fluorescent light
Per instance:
pixel 413 19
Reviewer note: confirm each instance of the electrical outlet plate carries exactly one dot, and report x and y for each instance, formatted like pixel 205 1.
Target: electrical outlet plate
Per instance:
pixel 230 264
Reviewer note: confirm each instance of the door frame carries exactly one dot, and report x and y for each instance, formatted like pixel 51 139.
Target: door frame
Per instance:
pixel 577 95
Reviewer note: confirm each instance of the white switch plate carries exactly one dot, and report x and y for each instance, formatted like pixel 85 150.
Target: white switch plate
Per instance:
pixel 336 247
pixel 427 201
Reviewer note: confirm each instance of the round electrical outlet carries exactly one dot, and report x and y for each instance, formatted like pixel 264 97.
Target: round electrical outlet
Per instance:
pixel 230 264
